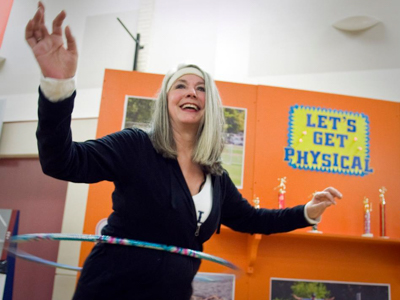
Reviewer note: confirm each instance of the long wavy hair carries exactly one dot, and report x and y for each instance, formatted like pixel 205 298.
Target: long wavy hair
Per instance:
pixel 210 136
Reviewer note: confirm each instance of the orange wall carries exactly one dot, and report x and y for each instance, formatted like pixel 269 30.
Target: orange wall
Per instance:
pixel 338 254
pixel 306 256
pixel 346 218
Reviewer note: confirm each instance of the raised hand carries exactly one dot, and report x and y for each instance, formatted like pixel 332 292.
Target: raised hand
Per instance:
pixel 54 59
pixel 321 201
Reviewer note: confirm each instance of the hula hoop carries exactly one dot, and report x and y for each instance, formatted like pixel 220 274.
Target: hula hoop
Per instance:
pixel 103 239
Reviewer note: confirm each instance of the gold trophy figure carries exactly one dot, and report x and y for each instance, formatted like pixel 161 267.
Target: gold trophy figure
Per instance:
pixel 367 218
pixel 315 226
pixel 257 202
pixel 382 212
pixel 282 191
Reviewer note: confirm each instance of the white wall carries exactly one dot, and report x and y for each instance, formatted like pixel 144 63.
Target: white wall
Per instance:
pixel 2 111
pixel 304 41
pixel 106 47
pixel 284 43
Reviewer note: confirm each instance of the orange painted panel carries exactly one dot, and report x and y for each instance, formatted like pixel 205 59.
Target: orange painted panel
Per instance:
pixel 315 258
pixel 347 217
pixel 306 256
pixel 340 254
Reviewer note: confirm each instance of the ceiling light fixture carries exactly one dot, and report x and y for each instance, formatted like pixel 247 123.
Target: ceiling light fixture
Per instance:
pixel 356 23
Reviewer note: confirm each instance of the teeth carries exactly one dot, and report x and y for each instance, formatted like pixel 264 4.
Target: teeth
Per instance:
pixel 190 106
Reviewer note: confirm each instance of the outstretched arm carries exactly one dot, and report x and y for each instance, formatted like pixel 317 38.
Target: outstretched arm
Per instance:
pixel 239 215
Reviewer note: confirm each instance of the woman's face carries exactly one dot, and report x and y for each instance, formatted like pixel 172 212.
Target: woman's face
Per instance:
pixel 186 101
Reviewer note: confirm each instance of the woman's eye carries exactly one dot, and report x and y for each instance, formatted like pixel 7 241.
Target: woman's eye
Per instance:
pixel 180 86
pixel 201 88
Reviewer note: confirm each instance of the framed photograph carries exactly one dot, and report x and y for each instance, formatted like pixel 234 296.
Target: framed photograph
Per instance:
pixel 213 286
pixel 300 289
pixel 235 137
pixel 138 113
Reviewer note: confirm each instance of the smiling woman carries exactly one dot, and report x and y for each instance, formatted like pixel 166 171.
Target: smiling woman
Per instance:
pixel 187 106
pixel 170 186
pixel 209 134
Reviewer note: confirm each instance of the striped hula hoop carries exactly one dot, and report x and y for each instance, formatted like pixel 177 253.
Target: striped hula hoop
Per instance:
pixel 107 240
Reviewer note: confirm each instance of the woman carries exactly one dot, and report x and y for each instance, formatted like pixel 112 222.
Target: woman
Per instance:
pixel 170 187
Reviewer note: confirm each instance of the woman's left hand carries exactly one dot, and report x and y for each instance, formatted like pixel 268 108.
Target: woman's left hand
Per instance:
pixel 321 201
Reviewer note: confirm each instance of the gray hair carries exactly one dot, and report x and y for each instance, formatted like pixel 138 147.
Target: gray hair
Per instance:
pixel 210 141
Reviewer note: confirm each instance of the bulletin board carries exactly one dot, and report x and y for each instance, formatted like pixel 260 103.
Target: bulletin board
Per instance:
pixel 347 218
pixel 276 119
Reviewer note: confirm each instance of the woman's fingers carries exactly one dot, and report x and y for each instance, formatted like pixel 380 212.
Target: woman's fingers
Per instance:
pixel 40 5
pixel 38 22
pixel 329 199
pixel 55 60
pixel 328 195
pixel 321 201
pixel 34 31
pixel 29 34
pixel 44 32
pixel 57 23
pixel 334 192
pixel 71 44
pixel 41 8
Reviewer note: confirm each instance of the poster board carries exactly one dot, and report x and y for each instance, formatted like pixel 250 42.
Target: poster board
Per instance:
pixel 302 289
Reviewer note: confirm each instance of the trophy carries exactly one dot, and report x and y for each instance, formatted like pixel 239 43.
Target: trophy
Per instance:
pixel 382 212
pixel 282 191
pixel 315 226
pixel 256 203
pixel 367 218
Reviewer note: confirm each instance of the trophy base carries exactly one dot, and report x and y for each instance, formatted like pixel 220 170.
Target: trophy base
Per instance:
pixel 367 235
pixel 384 237
pixel 314 231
